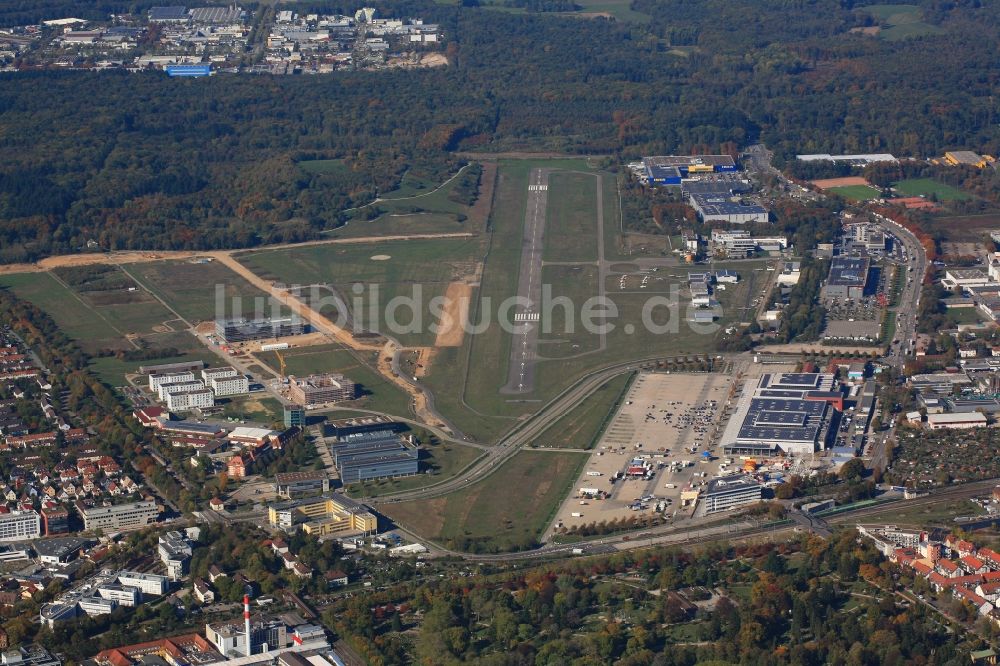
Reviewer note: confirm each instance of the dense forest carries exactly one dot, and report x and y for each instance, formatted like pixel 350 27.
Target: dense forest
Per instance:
pixel 807 602
pixel 144 161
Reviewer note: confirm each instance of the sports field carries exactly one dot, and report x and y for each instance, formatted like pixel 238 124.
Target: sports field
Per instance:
pixel 925 187
pixel 532 485
pixel 856 192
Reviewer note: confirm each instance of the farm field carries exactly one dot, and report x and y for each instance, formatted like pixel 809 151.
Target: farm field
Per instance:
pixel 442 459
pixel 190 289
pixel 571 218
pixel 855 192
pixel 378 394
pixel 581 427
pixel 473 520
pixel 618 9
pixel 916 187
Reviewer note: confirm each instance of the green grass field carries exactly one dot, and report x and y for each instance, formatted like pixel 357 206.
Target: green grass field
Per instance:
pixel 74 316
pixel 855 192
pixel 903 21
pixel 916 187
pixel 532 485
pixel 255 408
pixel 621 10
pixel 417 269
pixel 379 394
pixel 571 218
pixel 964 315
pixel 441 459
pixel 581 427
pixel 192 289
pixel 567 336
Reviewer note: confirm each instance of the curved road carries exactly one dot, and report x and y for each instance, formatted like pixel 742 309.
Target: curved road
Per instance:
pixel 528 430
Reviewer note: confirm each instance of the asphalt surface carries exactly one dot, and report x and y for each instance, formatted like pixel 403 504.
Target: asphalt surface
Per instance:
pixel 524 345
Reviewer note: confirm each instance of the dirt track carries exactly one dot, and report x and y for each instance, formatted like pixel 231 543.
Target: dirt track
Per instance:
pixel 139 256
pixel 299 307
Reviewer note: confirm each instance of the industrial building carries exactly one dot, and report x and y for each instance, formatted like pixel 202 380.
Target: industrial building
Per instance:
pixel 854 160
pixel 316 390
pixel 670 169
pixel 20 525
pixel 741 244
pixel 246 330
pixel 218 15
pixel 171 14
pixel 790 413
pixel 729 492
pixel 326 514
pixel 190 649
pixel 379 454
pixel 168 368
pixel 120 516
pixel 848 277
pixel 292 485
pixel 230 638
pixel 966 158
pixel 188 71
pixel 961 421
pixel 720 208
pixel 342 427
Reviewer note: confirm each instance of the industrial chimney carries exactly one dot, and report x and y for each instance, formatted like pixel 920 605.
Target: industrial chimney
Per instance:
pixel 246 619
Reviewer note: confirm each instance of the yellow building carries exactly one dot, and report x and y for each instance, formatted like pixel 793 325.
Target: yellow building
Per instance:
pixel 323 515
pixel 967 158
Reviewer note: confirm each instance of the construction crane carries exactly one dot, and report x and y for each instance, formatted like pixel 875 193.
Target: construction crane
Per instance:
pixel 281 363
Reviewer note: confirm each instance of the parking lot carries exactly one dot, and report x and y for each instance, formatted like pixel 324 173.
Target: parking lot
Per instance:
pixel 652 450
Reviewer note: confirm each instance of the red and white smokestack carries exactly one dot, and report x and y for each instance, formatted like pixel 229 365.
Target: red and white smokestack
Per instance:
pixel 246 619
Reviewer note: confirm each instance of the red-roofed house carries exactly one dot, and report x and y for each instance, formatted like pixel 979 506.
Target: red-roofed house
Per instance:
pixel 990 557
pixel 966 594
pixel 150 416
pixel 989 591
pixel 923 568
pixel 947 568
pixel 236 468
pixel 972 564
pixel 965 548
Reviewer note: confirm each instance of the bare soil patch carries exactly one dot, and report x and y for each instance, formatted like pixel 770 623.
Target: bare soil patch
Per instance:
pixel 456 312
pixel 847 181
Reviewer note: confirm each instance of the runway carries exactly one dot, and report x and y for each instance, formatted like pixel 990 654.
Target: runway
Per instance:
pixel 524 342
